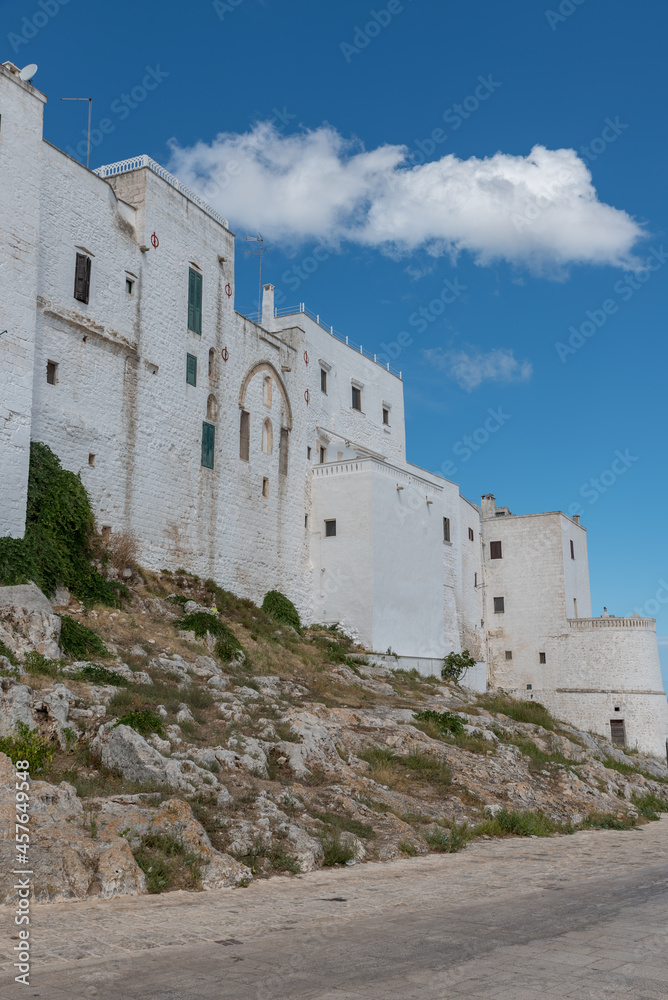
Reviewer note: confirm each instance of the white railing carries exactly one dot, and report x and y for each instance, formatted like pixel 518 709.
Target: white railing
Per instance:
pixel 302 308
pixel 610 622
pixel 351 465
pixel 137 162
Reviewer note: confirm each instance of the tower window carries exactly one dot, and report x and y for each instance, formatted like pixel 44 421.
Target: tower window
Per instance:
pixel 91 459
pixel 446 529
pixel 82 278
pixel 499 605
pixel 386 416
pixel 572 550
pixel 495 550
pixel 618 732
pixel 129 286
pixel 212 408
pixel 191 369
pixel 212 361
pixel 509 654
pixel 283 452
pixel 471 535
pixel 330 529
pixel 357 398
pixel 308 453
pixel 542 658
pixel 194 301
pixel 323 455
pixel 244 436
pixel 267 437
pixel 208 440
pixel 267 390
pixel 52 372
pixel 323 381
pixel 265 487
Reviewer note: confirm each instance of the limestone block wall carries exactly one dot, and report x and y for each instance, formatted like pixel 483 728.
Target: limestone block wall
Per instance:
pixel 21 108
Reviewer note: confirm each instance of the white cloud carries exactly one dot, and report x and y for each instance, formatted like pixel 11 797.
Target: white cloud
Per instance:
pixel 470 367
pixel 539 210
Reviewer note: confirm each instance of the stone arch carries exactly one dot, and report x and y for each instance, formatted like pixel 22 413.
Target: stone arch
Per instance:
pixel 266 366
pixel 212 408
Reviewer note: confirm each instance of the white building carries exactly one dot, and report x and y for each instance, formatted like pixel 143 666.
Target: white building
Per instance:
pixel 272 454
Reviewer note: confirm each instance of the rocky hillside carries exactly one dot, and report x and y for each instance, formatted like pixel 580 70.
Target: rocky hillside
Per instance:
pixel 189 739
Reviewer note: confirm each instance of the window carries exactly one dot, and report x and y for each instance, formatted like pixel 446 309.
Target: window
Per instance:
pixel 208 439
pixel 212 361
pixel 283 453
pixel 191 369
pixel 129 286
pixel 499 605
pixel 265 487
pixel 91 459
pixel 267 390
pixel 306 520
pixel 386 416
pixel 244 436
pixel 82 278
pixel 572 550
pixel 330 529
pixel 475 579
pixel 542 658
pixel 323 381
pixel 618 732
pixel 575 607
pixel 308 453
pixel 323 455
pixel 446 529
pixel 106 531
pixel 509 654
pixel 194 301
pixel 530 687
pixel 357 398
pixel 212 408
pixel 52 372
pixel 267 437
pixel 471 535
pixel 495 550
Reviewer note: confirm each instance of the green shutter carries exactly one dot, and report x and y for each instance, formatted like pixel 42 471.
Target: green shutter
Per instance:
pixel 191 369
pixel 195 301
pixel 208 439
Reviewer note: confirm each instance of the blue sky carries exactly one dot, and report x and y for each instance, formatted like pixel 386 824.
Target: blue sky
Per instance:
pixel 340 87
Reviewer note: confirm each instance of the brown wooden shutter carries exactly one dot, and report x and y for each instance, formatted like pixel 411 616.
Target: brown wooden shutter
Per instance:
pixel 495 550
pixel 82 278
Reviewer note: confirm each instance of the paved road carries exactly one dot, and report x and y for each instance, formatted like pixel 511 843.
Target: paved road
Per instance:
pixel 583 916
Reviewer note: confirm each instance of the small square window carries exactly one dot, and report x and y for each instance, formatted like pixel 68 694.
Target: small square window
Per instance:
pixel 446 529
pixel 330 529
pixel 529 687
pixel 91 459
pixel 495 550
pixel 509 654
pixel 542 658
pixel 471 535
pixel 323 381
pixel 386 416
pixel 52 372
pixel 499 605
pixel 129 286
pixel 265 487
pixel 357 398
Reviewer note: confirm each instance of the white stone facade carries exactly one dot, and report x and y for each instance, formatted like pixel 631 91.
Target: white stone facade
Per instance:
pixel 272 454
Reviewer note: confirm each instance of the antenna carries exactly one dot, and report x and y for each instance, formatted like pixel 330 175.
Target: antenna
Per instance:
pixel 260 252
pixel 28 72
pixel 90 108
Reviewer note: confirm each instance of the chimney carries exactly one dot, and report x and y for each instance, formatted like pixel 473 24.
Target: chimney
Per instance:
pixel 267 319
pixel 488 505
pixel 576 518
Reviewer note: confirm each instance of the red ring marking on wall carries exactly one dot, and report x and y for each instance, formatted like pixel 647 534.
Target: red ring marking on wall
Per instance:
pixel 224 354
pixel 228 290
pixel 155 242
pixel 307 396
pixel 306 356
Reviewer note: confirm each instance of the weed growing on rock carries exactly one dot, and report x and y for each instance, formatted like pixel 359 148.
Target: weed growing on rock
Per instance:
pixel 204 624
pixel 520 711
pixel 608 821
pixel 345 823
pixel 282 610
pixel 456 838
pixel 445 722
pixel 79 641
pixel 27 744
pixel 35 663
pixel 143 721
pixel 167 864
pixel 5 651
pixel 650 805
pixel 389 768
pixel 519 824
pixel 97 674
pixel 335 850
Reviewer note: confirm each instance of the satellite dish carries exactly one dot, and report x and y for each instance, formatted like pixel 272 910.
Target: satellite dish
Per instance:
pixel 28 72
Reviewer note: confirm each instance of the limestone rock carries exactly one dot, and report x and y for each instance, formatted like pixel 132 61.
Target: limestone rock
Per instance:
pixel 27 622
pixel 122 748
pixel 14 705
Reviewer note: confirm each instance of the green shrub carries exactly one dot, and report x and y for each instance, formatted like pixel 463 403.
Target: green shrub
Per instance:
pixel 143 721
pixel 454 840
pixel 281 609
pixel 97 674
pixel 617 765
pixel 27 744
pixel 35 663
pixel 79 641
pixel 538 758
pixel 456 664
pixel 518 824
pixel 608 821
pixel 58 544
pixel 203 624
pixel 6 651
pixel 650 805
pixel 167 863
pixel 445 722
pixel 336 852
pixel 346 823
